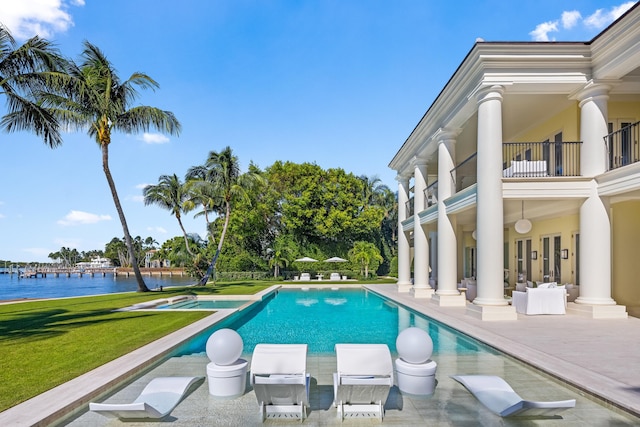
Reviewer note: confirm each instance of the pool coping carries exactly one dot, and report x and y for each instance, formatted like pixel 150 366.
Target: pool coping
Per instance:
pixel 607 390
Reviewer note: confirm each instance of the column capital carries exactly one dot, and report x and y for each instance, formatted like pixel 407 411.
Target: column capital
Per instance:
pixel 417 161
pixel 403 178
pixel 489 93
pixel 445 135
pixel 593 90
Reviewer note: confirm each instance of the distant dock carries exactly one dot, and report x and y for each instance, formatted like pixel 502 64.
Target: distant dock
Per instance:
pixel 34 273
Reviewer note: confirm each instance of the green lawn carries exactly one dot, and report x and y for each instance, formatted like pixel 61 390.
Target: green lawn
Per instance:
pixel 46 343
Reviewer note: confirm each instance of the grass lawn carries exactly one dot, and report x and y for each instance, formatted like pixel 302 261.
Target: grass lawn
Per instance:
pixel 46 343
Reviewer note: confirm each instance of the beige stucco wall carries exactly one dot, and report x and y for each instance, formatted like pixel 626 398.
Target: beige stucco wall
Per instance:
pixel 626 253
pixel 567 122
pixel 564 226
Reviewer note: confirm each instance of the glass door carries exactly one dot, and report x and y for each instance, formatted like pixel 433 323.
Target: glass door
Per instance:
pixel 523 260
pixel 551 259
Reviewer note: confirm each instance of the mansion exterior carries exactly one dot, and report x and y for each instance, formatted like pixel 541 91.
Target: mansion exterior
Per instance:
pixel 526 168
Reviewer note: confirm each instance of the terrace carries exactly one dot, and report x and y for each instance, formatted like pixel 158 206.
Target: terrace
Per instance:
pixel 559 346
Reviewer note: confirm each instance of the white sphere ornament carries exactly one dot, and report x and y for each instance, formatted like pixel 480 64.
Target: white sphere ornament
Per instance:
pixel 224 347
pixel 414 345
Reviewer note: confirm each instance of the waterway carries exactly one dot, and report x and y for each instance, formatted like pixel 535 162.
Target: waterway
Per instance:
pixel 12 287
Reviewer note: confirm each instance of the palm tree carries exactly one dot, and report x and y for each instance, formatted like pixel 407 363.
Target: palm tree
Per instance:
pixel 168 194
pixel 222 173
pixel 24 71
pixel 201 192
pixel 98 101
pixel 366 254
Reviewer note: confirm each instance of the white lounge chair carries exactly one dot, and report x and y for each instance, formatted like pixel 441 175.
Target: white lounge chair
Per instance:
pixel 157 400
pixel 280 379
pixel 335 276
pixel 305 277
pixel 498 396
pixel 363 381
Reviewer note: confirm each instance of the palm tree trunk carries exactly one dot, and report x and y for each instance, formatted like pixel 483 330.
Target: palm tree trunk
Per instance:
pixel 205 279
pixel 184 233
pixel 142 287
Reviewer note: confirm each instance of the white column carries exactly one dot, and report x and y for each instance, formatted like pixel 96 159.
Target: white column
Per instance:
pixel 404 250
pixel 420 242
pixel 595 224
pixel 593 127
pixel 447 293
pixel 490 220
pixel 595 251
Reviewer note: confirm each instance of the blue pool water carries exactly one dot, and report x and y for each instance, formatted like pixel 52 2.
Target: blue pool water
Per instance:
pixel 323 317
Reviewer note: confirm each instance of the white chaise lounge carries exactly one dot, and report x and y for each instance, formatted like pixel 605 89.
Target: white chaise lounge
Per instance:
pixel 363 381
pixel 156 401
pixel 280 379
pixel 498 396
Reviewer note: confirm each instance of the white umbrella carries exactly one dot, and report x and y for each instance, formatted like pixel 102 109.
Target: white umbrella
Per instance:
pixel 306 259
pixel 335 259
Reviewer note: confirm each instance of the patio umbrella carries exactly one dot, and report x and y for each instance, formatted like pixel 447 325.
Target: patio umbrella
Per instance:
pixel 335 259
pixel 306 259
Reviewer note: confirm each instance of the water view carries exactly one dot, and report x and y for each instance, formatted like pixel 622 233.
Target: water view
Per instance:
pixel 13 287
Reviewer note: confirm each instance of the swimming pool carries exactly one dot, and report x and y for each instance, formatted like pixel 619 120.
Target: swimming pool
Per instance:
pixel 323 317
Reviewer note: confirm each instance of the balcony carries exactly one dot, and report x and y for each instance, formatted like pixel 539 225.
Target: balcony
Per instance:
pixel 622 146
pixel 466 173
pixel 541 159
pixel 431 194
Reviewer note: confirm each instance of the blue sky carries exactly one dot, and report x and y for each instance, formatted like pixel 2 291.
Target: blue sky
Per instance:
pixel 339 83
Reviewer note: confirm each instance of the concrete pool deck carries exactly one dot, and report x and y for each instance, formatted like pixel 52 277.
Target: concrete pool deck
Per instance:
pixel 597 356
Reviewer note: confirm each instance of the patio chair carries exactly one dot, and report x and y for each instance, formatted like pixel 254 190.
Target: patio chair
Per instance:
pixel 335 276
pixel 498 396
pixel 156 401
pixel 363 381
pixel 280 380
pixel 305 277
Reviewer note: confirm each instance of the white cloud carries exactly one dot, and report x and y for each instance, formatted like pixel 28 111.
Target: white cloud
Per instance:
pixel 570 19
pixel 154 138
pixel 601 18
pixel 138 199
pixel 141 186
pixel 67 242
pixel 2 216
pixel 157 230
pixel 541 33
pixel 27 18
pixel 79 217
pixel 38 252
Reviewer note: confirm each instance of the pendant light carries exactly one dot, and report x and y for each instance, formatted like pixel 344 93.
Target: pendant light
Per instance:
pixel 523 225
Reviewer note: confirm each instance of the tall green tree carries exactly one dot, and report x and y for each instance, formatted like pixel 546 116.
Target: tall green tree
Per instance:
pixel 97 100
pixel 25 71
pixel 169 194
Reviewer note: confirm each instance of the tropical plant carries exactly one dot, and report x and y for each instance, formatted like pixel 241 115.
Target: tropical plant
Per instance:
pixel 168 194
pixel 281 254
pixel 366 255
pixel 25 71
pixel 97 100
pixel 222 173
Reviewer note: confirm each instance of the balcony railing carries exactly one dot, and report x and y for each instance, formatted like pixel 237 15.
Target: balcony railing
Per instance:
pixel 537 159
pixel 431 194
pixel 409 207
pixel 622 146
pixel 466 173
